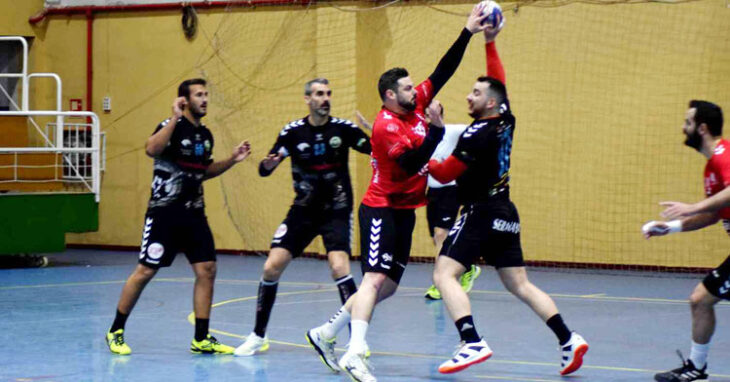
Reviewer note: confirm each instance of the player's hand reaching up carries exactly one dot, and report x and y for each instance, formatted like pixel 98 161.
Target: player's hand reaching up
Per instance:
pixel 271 161
pixel 242 151
pixel 474 22
pixel 676 210
pixel 490 33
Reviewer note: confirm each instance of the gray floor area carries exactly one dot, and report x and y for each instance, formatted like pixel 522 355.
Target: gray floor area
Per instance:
pixel 52 322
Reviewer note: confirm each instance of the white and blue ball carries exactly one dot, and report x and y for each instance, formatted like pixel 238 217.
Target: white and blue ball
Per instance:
pixel 494 14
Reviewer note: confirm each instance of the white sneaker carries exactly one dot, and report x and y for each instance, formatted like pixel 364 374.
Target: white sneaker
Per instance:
pixel 357 367
pixel 324 347
pixel 466 354
pixel 253 344
pixel 573 352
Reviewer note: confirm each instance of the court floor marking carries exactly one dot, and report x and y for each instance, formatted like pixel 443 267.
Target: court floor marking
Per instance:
pixel 589 297
pixel 191 320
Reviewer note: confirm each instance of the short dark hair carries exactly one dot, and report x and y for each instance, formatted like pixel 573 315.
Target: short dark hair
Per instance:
pixel 184 89
pixel 496 86
pixel 308 85
pixel 389 81
pixel 709 114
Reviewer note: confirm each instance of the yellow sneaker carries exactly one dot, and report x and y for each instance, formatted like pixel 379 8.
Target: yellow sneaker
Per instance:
pixel 467 279
pixel 210 345
pixel 116 343
pixel 432 293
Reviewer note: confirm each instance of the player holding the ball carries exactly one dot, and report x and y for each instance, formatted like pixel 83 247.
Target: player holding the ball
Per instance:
pixel 402 144
pixel 489 225
pixel 703 130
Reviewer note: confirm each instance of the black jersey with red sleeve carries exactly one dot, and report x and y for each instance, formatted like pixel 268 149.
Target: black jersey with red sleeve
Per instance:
pixel 180 169
pixel 319 156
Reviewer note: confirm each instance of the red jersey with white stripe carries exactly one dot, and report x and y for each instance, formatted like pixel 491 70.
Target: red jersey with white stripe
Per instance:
pixel 717 176
pixel 393 135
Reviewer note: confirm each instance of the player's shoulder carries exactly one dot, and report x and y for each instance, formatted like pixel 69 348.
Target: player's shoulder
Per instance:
pixel 387 121
pixel 340 122
pixel 476 129
pixel 166 121
pixel 292 126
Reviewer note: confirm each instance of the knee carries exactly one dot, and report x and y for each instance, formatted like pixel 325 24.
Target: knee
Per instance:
pixel 272 271
pixel 340 268
pixel 373 281
pixel 518 288
pixel 207 271
pixel 697 301
pixel 439 276
pixel 143 273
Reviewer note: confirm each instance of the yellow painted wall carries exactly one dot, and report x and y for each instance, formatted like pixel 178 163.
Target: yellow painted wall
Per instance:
pixel 599 92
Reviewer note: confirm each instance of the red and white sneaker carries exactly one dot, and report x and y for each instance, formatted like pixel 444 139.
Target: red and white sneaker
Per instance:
pixel 573 352
pixel 466 354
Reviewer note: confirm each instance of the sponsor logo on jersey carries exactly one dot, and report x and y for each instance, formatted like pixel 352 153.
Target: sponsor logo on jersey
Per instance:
pixel 318 137
pixel 281 231
pixel 719 149
pixel 420 129
pixel 335 142
pixel 207 145
pixel 391 128
pixel 505 226
pixel 186 143
pixel 303 146
pixel 155 251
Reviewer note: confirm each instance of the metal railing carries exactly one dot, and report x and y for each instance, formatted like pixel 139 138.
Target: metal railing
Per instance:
pixel 76 173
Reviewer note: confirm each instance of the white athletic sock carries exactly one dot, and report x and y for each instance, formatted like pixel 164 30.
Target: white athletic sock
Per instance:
pixel 357 337
pixel 335 324
pixel 698 354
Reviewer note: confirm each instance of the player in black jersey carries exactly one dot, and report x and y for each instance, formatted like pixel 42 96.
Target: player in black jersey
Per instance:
pixel 175 221
pixel 489 225
pixel 318 145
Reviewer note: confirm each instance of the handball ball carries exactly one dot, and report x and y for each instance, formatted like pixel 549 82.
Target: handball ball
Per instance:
pixel 494 14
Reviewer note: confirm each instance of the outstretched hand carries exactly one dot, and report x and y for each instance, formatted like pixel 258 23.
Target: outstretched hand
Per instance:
pixel 242 151
pixel 474 22
pixel 676 210
pixel 271 161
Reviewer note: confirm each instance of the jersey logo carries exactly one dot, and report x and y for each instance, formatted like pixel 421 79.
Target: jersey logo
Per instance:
pixel 505 226
pixel 155 251
pixel 335 142
pixel 186 143
pixel 420 129
pixel 319 149
pixel 387 116
pixel 303 146
pixel 207 145
pixel 719 149
pixel 391 128
pixel 318 137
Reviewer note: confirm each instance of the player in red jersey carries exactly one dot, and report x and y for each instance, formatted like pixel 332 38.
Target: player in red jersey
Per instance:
pixel 703 129
pixel 402 143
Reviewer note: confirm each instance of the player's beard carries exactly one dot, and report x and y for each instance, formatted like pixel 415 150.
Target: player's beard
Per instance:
pixel 197 112
pixel 408 105
pixel 323 110
pixel 694 140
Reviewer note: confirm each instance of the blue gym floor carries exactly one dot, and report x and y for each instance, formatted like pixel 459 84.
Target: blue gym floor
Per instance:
pixel 53 320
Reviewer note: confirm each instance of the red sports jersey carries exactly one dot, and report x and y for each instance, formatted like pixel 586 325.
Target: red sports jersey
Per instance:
pixel 393 135
pixel 717 175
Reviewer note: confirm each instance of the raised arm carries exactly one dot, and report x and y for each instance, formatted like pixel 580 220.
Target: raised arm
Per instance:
pixel 451 60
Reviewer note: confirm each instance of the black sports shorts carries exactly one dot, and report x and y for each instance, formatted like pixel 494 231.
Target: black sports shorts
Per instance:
pixel 168 233
pixel 385 239
pixel 490 230
pixel 442 209
pixel 303 224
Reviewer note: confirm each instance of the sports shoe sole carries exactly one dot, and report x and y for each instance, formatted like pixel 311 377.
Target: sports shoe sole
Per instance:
pixel 454 369
pixel 321 353
pixel 577 360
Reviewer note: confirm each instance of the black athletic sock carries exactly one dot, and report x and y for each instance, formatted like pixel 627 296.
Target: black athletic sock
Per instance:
pixel 119 321
pixel 346 286
pixel 467 330
pixel 264 304
pixel 558 327
pixel 201 328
